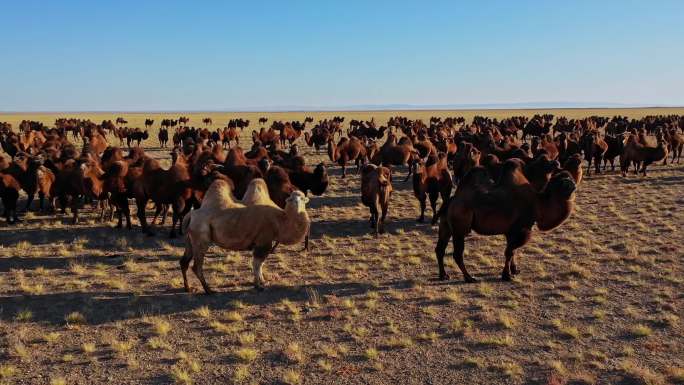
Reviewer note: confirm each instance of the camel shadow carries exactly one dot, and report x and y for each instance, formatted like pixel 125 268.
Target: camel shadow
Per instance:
pixel 107 306
pixel 361 226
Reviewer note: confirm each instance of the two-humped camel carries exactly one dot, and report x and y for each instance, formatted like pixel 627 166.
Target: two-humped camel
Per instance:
pixel 254 223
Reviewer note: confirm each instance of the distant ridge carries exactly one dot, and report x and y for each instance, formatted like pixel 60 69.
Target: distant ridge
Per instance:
pixel 376 107
pixel 469 106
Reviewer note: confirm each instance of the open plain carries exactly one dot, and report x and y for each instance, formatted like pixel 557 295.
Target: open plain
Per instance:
pixel 599 300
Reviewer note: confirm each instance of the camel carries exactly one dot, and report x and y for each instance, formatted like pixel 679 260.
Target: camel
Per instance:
pixel 574 166
pixel 594 148
pixel 394 153
pixel 376 191
pixel 432 179
pixel 347 150
pixel 640 154
pixel 235 226
pixel 511 207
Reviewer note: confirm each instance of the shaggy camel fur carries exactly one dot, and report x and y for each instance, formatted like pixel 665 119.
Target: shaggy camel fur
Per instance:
pixel 511 207
pixel 230 224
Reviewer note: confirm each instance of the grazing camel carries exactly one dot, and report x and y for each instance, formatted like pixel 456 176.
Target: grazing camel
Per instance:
pixel 234 226
pixel 511 207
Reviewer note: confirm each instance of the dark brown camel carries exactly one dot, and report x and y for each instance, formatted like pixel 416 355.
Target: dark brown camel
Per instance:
pixel 511 208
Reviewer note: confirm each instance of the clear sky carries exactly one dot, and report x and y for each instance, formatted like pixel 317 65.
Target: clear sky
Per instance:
pixel 225 55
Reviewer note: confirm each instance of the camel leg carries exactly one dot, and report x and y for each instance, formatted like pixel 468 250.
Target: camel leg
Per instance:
pixel 164 214
pixel 344 169
pixel 259 256
pixel 382 219
pixel 197 266
pixel 373 215
pixel 440 249
pixel 513 241
pixel 29 200
pixel 433 205
pixel 410 171
pixel 589 166
pixel 597 163
pixel 157 210
pixel 142 203
pixel 74 210
pixel 177 207
pixel 184 264
pixel 422 199
pixel 459 247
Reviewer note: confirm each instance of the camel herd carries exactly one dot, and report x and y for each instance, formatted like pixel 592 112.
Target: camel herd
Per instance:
pixel 493 177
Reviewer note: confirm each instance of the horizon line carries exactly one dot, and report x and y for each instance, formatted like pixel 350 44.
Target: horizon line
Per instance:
pixel 374 108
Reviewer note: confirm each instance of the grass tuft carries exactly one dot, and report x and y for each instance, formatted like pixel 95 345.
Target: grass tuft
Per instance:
pixel 291 377
pixel 246 354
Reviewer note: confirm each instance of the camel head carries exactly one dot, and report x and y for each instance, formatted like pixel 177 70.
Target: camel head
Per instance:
pixel 561 186
pixel 384 177
pixel 297 200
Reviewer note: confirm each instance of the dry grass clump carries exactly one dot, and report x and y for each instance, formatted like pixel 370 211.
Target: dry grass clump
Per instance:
pixel 246 339
pixel 640 374
pixel 399 342
pixel 203 312
pixel 161 326
pixel 292 377
pixel 246 354
pixel 293 352
pixel 496 341
pixel 640 330
pixel 181 376
pixel 223 328
pixel 121 347
pixel 233 316
pixel 75 318
pixel 240 374
pixel 371 354
pixel 472 362
pixel 566 331
pixel 23 315
pixel 326 366
pixel 51 337
pixel 157 343
pixel 58 381
pixel 88 348
pixel 510 369
pixel 431 336
pixel 7 371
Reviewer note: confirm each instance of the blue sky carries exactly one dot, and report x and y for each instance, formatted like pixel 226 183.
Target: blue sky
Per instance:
pixel 222 55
